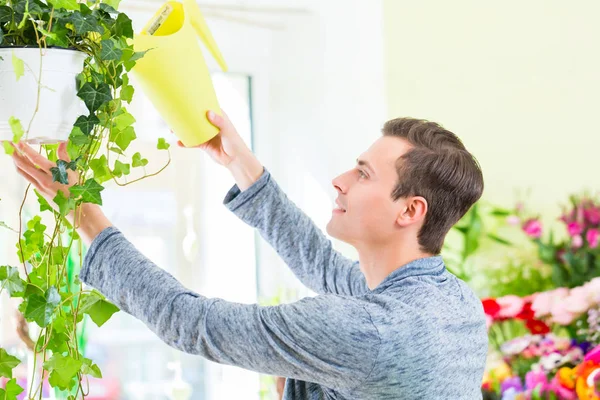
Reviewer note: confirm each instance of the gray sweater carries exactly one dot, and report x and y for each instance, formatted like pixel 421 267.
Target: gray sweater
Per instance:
pixel 420 334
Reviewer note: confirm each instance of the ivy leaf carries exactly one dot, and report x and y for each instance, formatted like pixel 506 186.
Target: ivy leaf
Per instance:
pixel 123 26
pixel 108 7
pixel 7 363
pixel 87 123
pixel 59 173
pixel 44 205
pixel 97 307
pixel 40 309
pixel 89 192
pixel 18 66
pixel 117 150
pixel 60 36
pixel 16 128
pixel 123 120
pixel 130 57
pixel 85 23
pixel 138 161
pixel 65 204
pixel 112 3
pixel 124 138
pixel 121 169
pixel 100 168
pixel 66 4
pixel 8 148
pixel 109 52
pixel 10 279
pixel 78 138
pixel 162 144
pixel 127 93
pixel 63 370
pixel 90 369
pixel 11 391
pixel 94 96
pixel 6 14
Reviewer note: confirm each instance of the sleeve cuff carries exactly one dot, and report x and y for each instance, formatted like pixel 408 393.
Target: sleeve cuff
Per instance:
pixel 235 198
pixel 96 246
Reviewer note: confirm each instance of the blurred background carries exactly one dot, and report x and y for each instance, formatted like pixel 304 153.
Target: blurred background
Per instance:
pixel 310 85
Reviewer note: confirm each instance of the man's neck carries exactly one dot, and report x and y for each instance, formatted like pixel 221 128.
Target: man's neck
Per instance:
pixel 377 262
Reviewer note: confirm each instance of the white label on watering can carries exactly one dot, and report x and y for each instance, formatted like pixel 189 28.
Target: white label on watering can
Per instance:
pixel 160 19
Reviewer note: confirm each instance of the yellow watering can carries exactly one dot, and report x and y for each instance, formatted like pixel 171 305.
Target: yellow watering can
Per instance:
pixel 173 73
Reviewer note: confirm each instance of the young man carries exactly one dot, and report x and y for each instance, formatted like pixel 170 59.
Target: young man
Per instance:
pixel 393 325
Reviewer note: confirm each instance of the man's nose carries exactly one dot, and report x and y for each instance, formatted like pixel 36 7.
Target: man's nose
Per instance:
pixel 340 184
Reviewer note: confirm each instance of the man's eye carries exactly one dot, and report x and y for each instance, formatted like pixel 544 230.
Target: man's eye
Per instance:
pixel 362 174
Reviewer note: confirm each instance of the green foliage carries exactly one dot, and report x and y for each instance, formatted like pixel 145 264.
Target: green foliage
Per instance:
pixel 102 33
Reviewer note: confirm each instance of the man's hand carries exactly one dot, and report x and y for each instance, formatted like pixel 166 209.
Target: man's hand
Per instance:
pixel 35 168
pixel 228 149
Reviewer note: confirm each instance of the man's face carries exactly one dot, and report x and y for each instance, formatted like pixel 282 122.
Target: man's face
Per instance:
pixel 366 212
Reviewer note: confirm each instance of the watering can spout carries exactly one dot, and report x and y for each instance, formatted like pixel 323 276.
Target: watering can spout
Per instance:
pixel 199 24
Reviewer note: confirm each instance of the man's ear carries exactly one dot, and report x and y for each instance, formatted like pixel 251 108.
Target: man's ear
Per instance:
pixel 413 211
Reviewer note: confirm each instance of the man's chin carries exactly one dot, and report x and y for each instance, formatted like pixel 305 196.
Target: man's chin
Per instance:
pixel 332 230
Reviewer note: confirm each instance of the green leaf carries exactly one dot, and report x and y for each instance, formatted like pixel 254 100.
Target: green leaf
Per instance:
pixel 11 391
pixel 44 205
pixel 89 192
pixel 162 144
pixel 100 168
pixel 97 307
pixel 94 96
pixel 59 173
pixel 85 23
pixel 78 138
pixel 109 52
pixel 7 363
pixel 124 138
pixel 127 93
pixel 91 369
pixel 117 150
pixel 46 34
pixel 138 161
pixel 40 309
pixel 6 14
pixel 123 27
pixel 60 38
pixel 498 239
pixel 108 7
pixel 113 3
pixel 63 370
pixel 66 4
pixel 16 128
pixel 10 279
pixel 87 123
pixel 123 120
pixel 8 148
pixel 65 204
pixel 18 66
pixel 121 169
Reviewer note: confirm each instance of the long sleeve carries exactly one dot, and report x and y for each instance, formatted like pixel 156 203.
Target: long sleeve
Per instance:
pixel 329 339
pixel 295 237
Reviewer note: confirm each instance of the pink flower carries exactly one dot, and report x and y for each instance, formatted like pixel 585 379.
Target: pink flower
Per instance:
pixel 534 379
pixel 578 301
pixel 592 215
pixel 543 302
pixel 488 321
pixel 577 241
pixel 593 355
pixel 561 315
pixel 562 392
pixel 574 228
pixel 592 237
pixel 533 228
pixel 510 306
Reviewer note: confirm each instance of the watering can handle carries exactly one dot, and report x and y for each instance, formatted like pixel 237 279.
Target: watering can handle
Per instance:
pixel 199 24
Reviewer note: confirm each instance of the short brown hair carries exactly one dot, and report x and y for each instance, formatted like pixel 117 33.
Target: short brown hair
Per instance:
pixel 440 169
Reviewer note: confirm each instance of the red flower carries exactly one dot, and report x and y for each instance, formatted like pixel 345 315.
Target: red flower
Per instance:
pixel 537 327
pixel 491 307
pixel 527 313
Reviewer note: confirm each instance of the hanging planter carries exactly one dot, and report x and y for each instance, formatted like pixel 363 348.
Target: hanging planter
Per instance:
pixel 52 71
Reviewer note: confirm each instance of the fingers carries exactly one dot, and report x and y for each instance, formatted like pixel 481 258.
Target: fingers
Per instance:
pixel 29 178
pixel 216 119
pixel 26 168
pixel 35 158
pixel 62 152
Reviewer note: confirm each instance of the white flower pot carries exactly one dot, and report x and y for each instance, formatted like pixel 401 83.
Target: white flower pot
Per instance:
pixel 59 105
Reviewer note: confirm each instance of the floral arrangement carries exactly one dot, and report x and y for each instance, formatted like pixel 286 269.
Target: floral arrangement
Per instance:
pixel 576 259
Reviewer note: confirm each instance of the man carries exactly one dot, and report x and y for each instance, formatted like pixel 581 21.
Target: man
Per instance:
pixel 394 325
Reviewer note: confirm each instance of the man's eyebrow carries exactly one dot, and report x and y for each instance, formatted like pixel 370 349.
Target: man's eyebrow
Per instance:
pixel 364 163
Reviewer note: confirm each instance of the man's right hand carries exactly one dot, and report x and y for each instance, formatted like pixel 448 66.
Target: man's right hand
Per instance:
pixel 229 150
